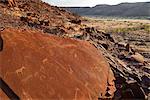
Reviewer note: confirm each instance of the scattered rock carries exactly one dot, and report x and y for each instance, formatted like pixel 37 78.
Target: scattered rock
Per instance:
pixel 138 57
pixel 110 37
pixel 105 45
pixel 76 21
pixel 56 31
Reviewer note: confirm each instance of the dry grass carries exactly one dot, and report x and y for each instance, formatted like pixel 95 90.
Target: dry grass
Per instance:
pixel 120 25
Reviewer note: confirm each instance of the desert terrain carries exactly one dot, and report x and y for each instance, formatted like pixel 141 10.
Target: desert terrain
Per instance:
pixel 135 32
pixel 47 52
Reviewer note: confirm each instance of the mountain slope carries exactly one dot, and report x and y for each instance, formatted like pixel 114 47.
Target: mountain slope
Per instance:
pixel 35 14
pixel 121 10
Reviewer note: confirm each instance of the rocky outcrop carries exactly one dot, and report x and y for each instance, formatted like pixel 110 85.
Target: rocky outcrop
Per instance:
pixel 40 66
pixel 38 15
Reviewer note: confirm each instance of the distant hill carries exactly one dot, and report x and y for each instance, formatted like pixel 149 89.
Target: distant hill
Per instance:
pixel 138 9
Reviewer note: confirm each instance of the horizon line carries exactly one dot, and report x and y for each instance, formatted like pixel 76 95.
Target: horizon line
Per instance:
pixel 100 4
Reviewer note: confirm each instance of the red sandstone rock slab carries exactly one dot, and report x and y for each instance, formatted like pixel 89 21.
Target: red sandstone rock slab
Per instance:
pixel 41 66
pixel 3 96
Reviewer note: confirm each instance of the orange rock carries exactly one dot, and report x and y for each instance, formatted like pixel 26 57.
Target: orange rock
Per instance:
pixel 41 66
pixel 3 96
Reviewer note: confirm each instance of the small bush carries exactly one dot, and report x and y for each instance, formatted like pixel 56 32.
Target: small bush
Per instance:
pixel 145 27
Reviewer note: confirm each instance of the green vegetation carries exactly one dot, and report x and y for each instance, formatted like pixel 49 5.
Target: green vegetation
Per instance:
pixel 145 27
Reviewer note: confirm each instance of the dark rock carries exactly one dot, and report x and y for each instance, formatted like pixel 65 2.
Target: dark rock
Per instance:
pixel 23 18
pixel 137 91
pixel 76 21
pixel 90 29
pixel 1 43
pixel 4 1
pixel 55 31
pixel 30 24
pixel 29 14
pixel 105 46
pixel 46 22
pixel 110 37
pixel 41 22
pixel 128 47
pixel 146 81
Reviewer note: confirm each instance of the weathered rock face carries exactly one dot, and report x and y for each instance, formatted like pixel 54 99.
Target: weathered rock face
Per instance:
pixel 3 95
pixel 35 14
pixel 41 66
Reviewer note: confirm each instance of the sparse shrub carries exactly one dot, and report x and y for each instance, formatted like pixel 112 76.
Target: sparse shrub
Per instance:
pixel 145 27
pixel 121 30
pixel 130 24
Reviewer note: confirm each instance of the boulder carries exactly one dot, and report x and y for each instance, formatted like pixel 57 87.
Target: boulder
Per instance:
pixel 42 66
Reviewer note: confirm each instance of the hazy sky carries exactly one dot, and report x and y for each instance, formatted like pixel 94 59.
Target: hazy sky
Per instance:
pixel 88 2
